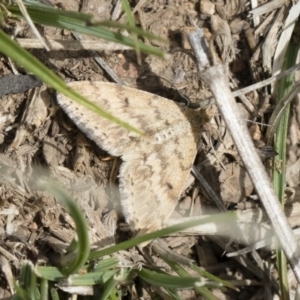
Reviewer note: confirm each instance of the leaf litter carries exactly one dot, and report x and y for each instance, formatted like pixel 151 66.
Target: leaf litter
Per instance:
pixel 35 132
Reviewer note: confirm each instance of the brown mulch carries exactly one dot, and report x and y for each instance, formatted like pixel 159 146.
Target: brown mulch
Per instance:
pixel 36 137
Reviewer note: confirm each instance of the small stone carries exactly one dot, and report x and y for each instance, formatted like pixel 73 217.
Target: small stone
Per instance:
pixel 207 7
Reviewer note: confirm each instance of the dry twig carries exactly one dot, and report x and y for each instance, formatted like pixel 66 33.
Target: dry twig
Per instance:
pixel 214 76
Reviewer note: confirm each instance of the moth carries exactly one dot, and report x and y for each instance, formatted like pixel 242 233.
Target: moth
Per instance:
pixel 155 165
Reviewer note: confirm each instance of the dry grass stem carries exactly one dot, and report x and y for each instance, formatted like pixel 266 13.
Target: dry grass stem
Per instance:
pixel 215 78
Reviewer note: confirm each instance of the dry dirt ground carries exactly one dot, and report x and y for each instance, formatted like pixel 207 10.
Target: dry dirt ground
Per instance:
pixel 36 134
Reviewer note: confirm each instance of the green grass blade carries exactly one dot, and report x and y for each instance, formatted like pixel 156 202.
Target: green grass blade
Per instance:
pixel 54 274
pixel 224 217
pixel 76 21
pixel 133 29
pixel 167 281
pixel 25 59
pixel 29 21
pixel 27 287
pixel 49 273
pixel 279 180
pixel 114 297
pixel 54 294
pixel 130 19
pixel 127 9
pixel 109 288
pixel 35 3
pixel 173 294
pixel 21 294
pixel 91 278
pixel 286 85
pixel 202 290
pixel 83 245
pixel 106 264
pixel 44 289
pixel 212 277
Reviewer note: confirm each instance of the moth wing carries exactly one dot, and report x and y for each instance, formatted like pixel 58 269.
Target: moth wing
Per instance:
pixel 147 112
pixel 155 166
pixel 152 177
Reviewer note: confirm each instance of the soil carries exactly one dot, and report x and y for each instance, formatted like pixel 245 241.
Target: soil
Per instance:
pixel 37 140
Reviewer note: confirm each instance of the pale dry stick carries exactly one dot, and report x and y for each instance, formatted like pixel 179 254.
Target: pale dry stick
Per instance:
pixel 32 26
pixel 256 19
pixel 209 190
pixel 214 77
pixel 261 234
pixel 285 37
pixel 98 59
pixel 297 293
pixel 244 261
pixel 7 271
pixel 72 45
pixel 265 241
pixel 267 7
pixel 271 39
pixel 263 25
pixel 211 229
pixel 255 86
pixel 9 256
pixel 266 82
pixel 117 11
pixel 247 103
